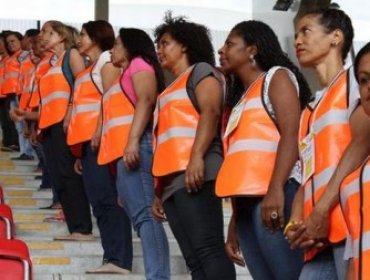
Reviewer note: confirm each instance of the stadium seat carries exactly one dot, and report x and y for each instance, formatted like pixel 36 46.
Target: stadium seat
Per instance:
pixel 7 230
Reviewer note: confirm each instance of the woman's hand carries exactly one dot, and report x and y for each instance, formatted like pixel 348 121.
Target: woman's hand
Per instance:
pixel 17 114
pixel 67 119
pixel 95 140
pixel 194 174
pixel 232 244
pixel 78 166
pixel 158 211
pixel 131 155
pixel 273 202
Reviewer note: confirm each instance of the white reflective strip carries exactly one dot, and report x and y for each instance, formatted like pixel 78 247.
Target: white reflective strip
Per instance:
pixel 176 95
pixel 82 79
pixel 11 75
pixel 84 108
pixel 319 180
pixel 252 145
pixel 54 70
pixel 117 122
pixel 254 103
pixel 55 95
pixel 365 244
pixel 308 191
pixel 351 189
pixel 111 91
pixel 176 132
pixel 333 117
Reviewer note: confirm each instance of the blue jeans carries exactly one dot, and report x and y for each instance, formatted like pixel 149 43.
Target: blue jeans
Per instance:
pixel 136 191
pixel 267 254
pixel 113 223
pixel 25 146
pixel 328 265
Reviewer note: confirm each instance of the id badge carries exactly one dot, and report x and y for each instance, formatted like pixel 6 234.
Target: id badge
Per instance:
pixel 234 118
pixel 307 153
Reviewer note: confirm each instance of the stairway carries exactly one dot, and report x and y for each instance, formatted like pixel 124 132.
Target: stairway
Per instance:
pixel 68 260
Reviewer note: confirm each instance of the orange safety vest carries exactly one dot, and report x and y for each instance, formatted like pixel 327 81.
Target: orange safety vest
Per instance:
pixel 329 121
pixel 41 69
pixel 118 114
pixel 250 148
pixel 174 128
pixel 85 108
pixel 2 69
pixel 11 74
pixel 55 94
pixel 25 71
pixel 355 202
pixel 25 82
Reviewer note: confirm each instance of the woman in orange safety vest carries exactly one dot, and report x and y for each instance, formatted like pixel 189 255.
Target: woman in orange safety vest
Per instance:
pixel 355 190
pixel 333 142
pixel 96 39
pixel 126 138
pixel 260 170
pixel 188 149
pixel 55 89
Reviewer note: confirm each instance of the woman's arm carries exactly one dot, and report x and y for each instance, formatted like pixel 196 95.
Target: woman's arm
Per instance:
pixel 77 66
pixel 109 73
pixel 285 102
pixel 145 86
pixel 209 96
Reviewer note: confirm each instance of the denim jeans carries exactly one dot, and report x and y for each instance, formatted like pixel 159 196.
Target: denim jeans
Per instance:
pixel 136 191
pixel 328 265
pixel 113 223
pixel 25 146
pixel 267 254
pixel 196 221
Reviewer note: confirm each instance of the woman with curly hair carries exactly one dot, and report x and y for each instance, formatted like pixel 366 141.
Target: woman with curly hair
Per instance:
pixel 188 148
pixel 261 171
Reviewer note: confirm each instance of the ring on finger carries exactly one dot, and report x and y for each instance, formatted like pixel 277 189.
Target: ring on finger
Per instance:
pixel 274 215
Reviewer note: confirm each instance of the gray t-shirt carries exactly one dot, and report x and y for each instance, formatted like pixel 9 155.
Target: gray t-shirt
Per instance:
pixel 214 156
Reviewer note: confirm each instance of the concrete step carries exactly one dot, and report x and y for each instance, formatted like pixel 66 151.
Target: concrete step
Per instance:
pixel 31 192
pixel 74 248
pixel 79 264
pixel 8 165
pixel 58 276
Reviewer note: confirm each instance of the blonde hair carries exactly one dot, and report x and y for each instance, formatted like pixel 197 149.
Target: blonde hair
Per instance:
pixel 68 33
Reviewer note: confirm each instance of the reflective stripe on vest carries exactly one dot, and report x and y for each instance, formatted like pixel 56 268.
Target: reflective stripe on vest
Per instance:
pixel 175 124
pixel 25 71
pixel 118 114
pixel 41 69
pixel 26 78
pixel 329 121
pixel 55 94
pixel 251 148
pixel 355 202
pixel 85 109
pixel 2 70
pixel 11 74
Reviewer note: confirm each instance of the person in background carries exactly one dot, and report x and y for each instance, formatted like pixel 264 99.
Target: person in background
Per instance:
pixel 188 147
pixel 13 41
pixel 333 142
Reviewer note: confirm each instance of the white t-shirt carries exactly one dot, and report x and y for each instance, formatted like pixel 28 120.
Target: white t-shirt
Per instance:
pixel 296 171
pixel 96 71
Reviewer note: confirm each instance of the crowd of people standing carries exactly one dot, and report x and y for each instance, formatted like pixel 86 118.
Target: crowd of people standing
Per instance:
pixel 112 136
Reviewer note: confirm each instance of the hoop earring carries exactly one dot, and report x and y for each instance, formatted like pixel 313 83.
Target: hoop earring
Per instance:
pixel 252 60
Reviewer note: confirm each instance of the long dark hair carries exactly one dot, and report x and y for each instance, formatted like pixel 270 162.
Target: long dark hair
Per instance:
pixel 269 54
pixel 139 44
pixel 193 36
